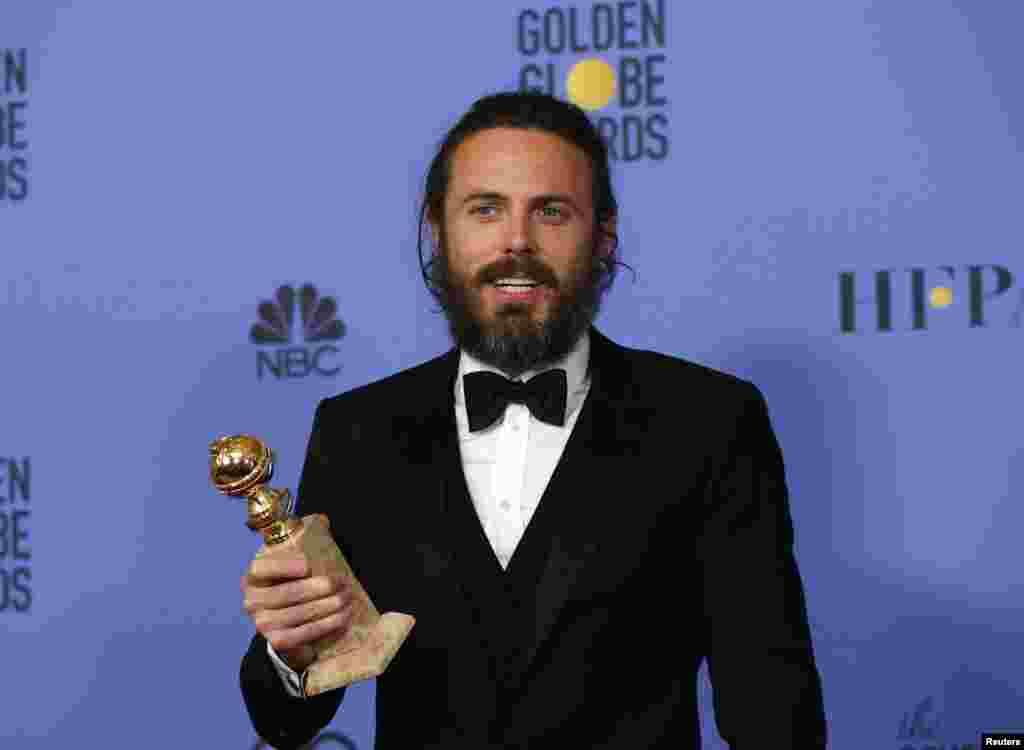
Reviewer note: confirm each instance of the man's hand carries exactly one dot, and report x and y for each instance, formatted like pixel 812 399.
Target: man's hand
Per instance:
pixel 292 609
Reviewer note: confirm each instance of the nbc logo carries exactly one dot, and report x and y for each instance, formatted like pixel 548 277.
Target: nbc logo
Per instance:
pixel 275 328
pixel 322 742
pixel 921 729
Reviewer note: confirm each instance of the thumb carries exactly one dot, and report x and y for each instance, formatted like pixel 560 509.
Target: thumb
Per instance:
pixel 326 520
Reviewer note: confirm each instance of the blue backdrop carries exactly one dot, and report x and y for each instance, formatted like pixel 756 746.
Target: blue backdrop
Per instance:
pixel 819 197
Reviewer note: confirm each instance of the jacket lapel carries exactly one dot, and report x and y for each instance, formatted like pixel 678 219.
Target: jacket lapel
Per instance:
pixel 609 428
pixel 460 545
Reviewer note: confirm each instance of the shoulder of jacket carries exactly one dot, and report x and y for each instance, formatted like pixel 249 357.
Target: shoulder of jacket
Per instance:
pixel 686 373
pixel 392 390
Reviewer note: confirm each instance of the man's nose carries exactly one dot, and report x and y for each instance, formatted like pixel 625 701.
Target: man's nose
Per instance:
pixel 520 232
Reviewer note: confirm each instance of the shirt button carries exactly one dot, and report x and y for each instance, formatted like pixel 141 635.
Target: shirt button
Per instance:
pixel 506 505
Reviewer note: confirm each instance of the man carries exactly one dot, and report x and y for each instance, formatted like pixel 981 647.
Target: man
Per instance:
pixel 572 548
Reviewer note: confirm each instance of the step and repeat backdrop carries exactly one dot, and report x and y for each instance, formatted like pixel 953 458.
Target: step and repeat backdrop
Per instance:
pixel 823 198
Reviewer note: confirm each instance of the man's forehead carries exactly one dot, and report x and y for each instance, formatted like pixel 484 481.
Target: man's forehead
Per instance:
pixel 518 159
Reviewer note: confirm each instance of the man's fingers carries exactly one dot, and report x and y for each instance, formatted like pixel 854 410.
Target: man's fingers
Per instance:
pixel 289 638
pixel 290 593
pixel 271 620
pixel 265 570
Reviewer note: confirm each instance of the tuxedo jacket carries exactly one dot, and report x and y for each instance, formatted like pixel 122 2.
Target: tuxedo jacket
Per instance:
pixel 663 538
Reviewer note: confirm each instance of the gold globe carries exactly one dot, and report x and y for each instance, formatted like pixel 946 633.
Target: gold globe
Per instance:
pixel 239 462
pixel 240 465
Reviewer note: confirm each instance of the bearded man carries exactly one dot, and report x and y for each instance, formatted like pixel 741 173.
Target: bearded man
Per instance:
pixel 575 525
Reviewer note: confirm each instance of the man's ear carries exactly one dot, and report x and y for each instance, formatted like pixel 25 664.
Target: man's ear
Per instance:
pixel 435 236
pixel 609 240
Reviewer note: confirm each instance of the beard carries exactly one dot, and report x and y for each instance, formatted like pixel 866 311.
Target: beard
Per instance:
pixel 513 341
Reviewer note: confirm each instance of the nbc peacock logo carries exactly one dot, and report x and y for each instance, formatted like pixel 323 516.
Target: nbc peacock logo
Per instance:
pixel 922 729
pixel 276 328
pixel 321 742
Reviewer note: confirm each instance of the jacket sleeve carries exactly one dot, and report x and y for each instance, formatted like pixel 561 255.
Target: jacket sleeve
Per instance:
pixel 766 687
pixel 283 721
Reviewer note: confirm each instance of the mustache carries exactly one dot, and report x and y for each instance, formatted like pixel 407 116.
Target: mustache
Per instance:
pixel 518 266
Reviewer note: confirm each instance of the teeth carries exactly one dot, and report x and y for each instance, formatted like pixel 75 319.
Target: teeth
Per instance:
pixel 515 282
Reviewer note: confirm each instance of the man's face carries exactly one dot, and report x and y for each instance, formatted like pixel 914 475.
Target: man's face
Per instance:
pixel 517 270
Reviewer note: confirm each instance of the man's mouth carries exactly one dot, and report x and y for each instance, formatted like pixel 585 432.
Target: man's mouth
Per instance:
pixel 514 284
pixel 519 289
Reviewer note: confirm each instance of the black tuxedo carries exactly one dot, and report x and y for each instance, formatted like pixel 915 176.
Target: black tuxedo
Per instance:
pixel 663 538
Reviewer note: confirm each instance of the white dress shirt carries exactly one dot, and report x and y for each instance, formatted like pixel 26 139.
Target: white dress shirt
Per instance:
pixel 507 465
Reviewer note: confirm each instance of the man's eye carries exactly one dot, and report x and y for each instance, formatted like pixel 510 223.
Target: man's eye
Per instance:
pixel 485 210
pixel 553 212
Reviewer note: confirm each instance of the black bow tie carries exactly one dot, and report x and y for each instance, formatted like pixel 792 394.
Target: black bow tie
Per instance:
pixel 488 393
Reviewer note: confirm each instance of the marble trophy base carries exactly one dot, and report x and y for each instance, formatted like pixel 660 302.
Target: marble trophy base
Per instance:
pixel 372 640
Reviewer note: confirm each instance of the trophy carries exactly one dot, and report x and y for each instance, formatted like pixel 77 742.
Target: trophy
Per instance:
pixel 240 466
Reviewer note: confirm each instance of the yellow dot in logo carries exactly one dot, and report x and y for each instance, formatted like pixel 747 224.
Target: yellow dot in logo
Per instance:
pixel 942 296
pixel 591 84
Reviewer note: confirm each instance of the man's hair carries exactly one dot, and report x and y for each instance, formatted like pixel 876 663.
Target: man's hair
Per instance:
pixel 528 110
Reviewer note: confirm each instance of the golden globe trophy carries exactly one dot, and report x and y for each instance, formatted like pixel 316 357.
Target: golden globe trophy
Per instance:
pixel 240 466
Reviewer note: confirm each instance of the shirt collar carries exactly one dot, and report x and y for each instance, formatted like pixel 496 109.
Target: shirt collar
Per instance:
pixel 574 364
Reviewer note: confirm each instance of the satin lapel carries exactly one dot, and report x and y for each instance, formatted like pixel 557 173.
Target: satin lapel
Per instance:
pixel 427 434
pixel 461 545
pixel 610 426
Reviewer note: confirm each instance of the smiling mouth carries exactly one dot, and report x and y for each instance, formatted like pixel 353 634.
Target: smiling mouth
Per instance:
pixel 513 283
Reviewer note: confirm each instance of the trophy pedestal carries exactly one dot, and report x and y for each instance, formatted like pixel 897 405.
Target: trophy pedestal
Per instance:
pixel 372 639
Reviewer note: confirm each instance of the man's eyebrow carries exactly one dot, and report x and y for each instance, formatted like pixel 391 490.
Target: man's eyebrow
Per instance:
pixel 481 195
